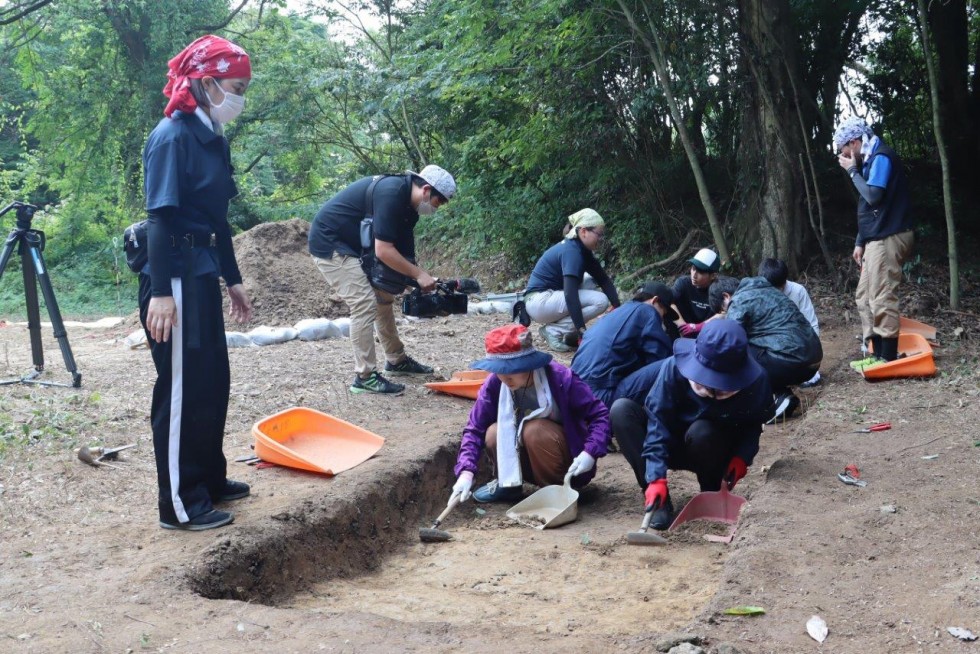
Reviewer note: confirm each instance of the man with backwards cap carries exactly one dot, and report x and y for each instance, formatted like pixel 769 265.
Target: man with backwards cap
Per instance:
pixel 691 291
pixel 704 413
pixel 396 203
pixel 884 238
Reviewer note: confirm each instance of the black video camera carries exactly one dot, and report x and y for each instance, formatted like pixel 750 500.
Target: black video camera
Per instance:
pixel 449 297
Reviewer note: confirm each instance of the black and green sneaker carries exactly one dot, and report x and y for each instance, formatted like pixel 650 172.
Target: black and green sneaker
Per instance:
pixel 375 383
pixel 407 366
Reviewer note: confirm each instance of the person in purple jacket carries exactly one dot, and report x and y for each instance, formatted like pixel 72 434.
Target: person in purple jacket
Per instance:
pixel 537 420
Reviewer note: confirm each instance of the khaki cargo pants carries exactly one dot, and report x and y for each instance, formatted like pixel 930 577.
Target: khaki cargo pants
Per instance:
pixel 370 310
pixel 877 290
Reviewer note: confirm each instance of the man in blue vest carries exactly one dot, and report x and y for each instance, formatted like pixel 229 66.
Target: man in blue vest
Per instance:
pixel 884 238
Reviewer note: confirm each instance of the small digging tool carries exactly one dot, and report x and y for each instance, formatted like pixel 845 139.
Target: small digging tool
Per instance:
pixel 96 456
pixel 643 537
pixel 435 535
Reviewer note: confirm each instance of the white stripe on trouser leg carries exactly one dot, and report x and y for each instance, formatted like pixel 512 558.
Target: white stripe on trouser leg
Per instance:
pixel 176 400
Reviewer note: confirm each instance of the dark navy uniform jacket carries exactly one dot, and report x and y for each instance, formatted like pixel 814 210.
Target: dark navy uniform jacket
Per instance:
pixel 672 406
pixel 188 181
pixel 620 343
pixel 567 258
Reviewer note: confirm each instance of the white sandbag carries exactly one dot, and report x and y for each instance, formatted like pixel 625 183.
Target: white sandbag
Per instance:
pixel 272 335
pixel 343 324
pixel 480 308
pixel 136 340
pixel 238 339
pixel 502 307
pixel 316 329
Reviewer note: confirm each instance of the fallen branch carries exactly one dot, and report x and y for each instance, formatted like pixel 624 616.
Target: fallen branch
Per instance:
pixel 678 253
pixel 912 447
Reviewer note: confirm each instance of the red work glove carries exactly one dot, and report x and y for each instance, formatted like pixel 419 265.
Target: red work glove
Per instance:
pixel 656 495
pixel 691 329
pixel 736 470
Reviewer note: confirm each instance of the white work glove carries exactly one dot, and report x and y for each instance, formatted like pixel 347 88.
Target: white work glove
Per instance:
pixel 463 486
pixel 581 464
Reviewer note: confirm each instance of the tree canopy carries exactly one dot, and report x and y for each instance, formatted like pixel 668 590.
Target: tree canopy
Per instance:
pixel 538 108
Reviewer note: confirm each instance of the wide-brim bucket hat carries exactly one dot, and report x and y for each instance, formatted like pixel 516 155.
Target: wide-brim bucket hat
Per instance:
pixel 509 351
pixel 719 358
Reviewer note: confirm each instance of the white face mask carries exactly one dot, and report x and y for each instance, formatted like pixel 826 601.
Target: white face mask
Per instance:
pixel 229 109
pixel 426 208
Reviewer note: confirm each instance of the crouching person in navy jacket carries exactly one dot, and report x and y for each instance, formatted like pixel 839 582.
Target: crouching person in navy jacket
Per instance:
pixel 704 413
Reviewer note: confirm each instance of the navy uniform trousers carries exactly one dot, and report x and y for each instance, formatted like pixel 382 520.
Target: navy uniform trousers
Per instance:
pixel 190 403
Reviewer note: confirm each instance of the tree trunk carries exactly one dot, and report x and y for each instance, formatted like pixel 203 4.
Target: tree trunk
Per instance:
pixel 656 50
pixel 770 223
pixel 948 22
pixel 954 265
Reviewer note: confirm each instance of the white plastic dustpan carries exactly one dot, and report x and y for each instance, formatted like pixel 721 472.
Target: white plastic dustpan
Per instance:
pixel 549 507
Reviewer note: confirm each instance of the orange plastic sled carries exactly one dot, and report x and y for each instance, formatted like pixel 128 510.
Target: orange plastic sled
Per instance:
pixel 310 440
pixel 466 383
pixel 917 361
pixel 909 326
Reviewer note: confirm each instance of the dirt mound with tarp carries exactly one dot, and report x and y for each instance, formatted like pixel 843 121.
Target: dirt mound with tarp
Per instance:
pixel 282 281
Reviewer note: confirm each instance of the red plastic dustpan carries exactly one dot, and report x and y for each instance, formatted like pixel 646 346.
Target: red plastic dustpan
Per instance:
pixel 713 506
pixel 310 440
pixel 466 383
pixel 916 360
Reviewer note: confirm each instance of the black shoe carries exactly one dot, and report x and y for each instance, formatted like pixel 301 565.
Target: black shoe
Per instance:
pixel 572 339
pixel 233 490
pixel 794 404
pixel 375 383
pixel 209 520
pixel 407 366
pixel 663 516
pixel 780 406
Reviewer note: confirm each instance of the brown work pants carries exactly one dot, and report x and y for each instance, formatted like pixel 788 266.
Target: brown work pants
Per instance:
pixel 544 453
pixel 877 290
pixel 370 310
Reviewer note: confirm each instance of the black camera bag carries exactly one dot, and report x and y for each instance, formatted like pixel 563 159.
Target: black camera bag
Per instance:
pixel 381 276
pixel 135 246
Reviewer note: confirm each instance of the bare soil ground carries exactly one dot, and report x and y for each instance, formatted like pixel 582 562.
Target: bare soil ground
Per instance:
pixel 335 564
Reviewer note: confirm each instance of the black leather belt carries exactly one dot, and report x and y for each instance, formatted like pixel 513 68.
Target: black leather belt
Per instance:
pixel 194 240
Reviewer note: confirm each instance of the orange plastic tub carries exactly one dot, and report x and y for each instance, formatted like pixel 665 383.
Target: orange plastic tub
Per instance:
pixel 310 440
pixel 909 326
pixel 917 361
pixel 466 383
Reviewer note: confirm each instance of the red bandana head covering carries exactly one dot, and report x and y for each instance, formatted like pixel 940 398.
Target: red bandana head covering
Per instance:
pixel 210 56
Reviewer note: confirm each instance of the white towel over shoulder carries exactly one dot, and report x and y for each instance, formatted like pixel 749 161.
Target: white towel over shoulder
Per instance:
pixel 508 436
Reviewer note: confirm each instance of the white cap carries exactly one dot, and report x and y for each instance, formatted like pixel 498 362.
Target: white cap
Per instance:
pixel 705 260
pixel 439 179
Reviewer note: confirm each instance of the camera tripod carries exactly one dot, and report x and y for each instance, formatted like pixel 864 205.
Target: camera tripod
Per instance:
pixel 30 244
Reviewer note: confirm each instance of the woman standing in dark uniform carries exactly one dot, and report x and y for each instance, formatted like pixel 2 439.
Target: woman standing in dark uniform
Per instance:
pixel 188 184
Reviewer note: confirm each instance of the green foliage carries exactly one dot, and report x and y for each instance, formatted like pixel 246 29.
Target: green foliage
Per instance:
pixel 538 107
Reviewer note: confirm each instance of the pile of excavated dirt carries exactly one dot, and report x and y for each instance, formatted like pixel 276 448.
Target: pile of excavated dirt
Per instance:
pixel 283 283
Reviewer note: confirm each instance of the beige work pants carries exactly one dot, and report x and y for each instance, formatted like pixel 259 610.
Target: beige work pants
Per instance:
pixel 370 310
pixel 877 290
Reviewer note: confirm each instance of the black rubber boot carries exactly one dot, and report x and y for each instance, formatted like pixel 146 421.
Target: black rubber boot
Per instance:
pixel 875 344
pixel 889 349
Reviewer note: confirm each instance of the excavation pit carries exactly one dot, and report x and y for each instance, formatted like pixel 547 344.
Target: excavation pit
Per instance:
pixel 363 555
